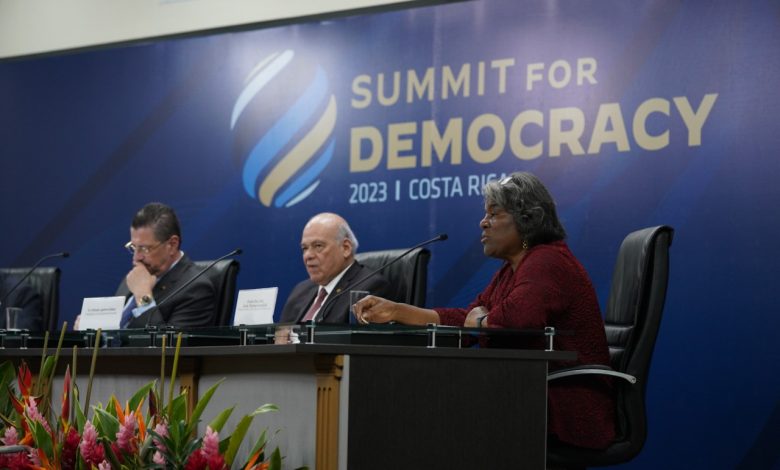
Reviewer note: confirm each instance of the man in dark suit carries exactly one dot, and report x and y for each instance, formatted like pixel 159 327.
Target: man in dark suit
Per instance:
pixel 329 248
pixel 24 297
pixel 159 267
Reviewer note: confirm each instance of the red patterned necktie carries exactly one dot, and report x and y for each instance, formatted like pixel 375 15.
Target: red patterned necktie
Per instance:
pixel 316 305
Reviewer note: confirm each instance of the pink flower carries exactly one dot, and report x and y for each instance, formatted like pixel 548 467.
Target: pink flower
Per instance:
pixel 210 443
pixel 35 460
pixel 91 451
pixel 158 458
pixel 125 438
pixel 207 457
pixel 11 437
pixel 210 448
pixel 162 430
pixel 35 415
pixel 104 465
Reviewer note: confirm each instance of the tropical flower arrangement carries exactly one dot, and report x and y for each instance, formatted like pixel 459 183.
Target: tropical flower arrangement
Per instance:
pixel 145 432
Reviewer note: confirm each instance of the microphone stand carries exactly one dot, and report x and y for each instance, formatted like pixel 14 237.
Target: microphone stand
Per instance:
pixel 440 237
pixel 235 252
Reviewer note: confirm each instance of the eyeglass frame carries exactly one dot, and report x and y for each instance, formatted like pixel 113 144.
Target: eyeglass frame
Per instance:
pixel 145 250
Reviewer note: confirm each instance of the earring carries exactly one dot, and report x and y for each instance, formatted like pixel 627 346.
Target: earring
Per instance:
pixel 525 245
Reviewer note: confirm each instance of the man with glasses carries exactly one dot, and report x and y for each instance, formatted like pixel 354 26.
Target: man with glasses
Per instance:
pixel 159 267
pixel 328 247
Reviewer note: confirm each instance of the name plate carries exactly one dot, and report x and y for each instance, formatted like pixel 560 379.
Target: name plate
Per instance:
pixel 101 312
pixel 255 306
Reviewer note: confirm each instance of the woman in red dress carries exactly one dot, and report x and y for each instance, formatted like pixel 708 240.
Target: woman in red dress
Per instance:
pixel 540 284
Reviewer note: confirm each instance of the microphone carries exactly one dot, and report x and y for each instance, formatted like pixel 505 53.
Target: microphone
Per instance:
pixel 331 299
pixel 63 254
pixel 235 252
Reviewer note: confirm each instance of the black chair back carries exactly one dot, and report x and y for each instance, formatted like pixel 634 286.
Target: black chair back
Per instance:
pixel 223 277
pixel 46 281
pixel 632 320
pixel 408 276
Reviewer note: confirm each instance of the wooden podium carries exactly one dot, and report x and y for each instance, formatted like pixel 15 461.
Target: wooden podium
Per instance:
pixel 347 406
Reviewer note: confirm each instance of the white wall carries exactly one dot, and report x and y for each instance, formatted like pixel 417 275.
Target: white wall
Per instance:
pixel 37 26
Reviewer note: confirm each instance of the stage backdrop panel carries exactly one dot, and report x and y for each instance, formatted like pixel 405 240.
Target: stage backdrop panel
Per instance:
pixel 633 113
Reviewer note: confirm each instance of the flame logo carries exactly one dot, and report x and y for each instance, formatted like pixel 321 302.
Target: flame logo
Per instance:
pixel 282 167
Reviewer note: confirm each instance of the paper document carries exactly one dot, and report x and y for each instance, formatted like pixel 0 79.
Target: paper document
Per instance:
pixel 101 312
pixel 255 306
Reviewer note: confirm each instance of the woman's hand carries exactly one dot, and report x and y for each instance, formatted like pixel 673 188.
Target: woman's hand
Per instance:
pixel 372 309
pixel 472 319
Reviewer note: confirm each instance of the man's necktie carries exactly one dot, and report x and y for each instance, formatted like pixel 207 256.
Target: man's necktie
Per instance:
pixel 316 305
pixel 127 313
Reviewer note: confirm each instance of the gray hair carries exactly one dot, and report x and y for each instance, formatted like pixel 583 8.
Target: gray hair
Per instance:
pixel 532 207
pixel 346 233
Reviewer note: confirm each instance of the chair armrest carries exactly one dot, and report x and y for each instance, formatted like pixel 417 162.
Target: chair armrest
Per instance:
pixel 589 369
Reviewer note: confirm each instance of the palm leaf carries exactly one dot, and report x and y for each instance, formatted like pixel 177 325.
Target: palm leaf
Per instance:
pixel 235 439
pixel 201 405
pixel 219 421
pixel 106 423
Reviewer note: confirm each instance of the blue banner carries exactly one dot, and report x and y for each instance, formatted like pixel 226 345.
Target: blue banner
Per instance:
pixel 632 113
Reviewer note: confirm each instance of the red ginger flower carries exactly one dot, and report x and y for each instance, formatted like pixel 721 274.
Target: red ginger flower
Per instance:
pixel 91 451
pixel 69 447
pixel 207 457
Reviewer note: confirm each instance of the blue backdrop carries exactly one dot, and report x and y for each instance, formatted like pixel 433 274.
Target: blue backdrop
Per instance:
pixel 633 113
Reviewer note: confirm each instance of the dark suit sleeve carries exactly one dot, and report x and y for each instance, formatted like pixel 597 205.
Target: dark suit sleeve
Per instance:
pixel 193 307
pixel 28 299
pixel 297 302
pixel 337 311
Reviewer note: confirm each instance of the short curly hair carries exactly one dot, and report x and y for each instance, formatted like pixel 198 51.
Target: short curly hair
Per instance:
pixel 532 207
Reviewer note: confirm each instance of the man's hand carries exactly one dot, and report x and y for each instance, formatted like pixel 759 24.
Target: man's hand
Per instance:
pixel 140 282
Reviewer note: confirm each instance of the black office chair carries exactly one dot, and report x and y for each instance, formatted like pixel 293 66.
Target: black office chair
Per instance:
pixel 632 320
pixel 223 277
pixel 46 281
pixel 408 276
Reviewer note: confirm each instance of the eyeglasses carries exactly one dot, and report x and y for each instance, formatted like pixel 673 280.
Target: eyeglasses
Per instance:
pixel 144 250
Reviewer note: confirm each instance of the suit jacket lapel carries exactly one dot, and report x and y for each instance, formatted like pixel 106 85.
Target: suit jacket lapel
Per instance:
pixel 343 283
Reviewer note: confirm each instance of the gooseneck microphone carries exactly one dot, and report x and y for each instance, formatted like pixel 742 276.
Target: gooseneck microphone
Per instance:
pixel 331 299
pixel 182 287
pixel 63 254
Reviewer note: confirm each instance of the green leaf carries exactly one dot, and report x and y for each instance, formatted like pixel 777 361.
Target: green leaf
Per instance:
pixel 7 379
pixel 110 452
pixel 107 425
pixel 261 442
pixel 42 438
pixel 219 422
pixel 48 366
pixel 179 408
pixel 201 405
pixel 78 412
pixel 223 445
pixel 267 408
pixel 140 395
pixel 276 460
pixel 235 439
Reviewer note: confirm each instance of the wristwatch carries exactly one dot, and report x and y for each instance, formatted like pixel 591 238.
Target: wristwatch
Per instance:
pixel 480 320
pixel 145 300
